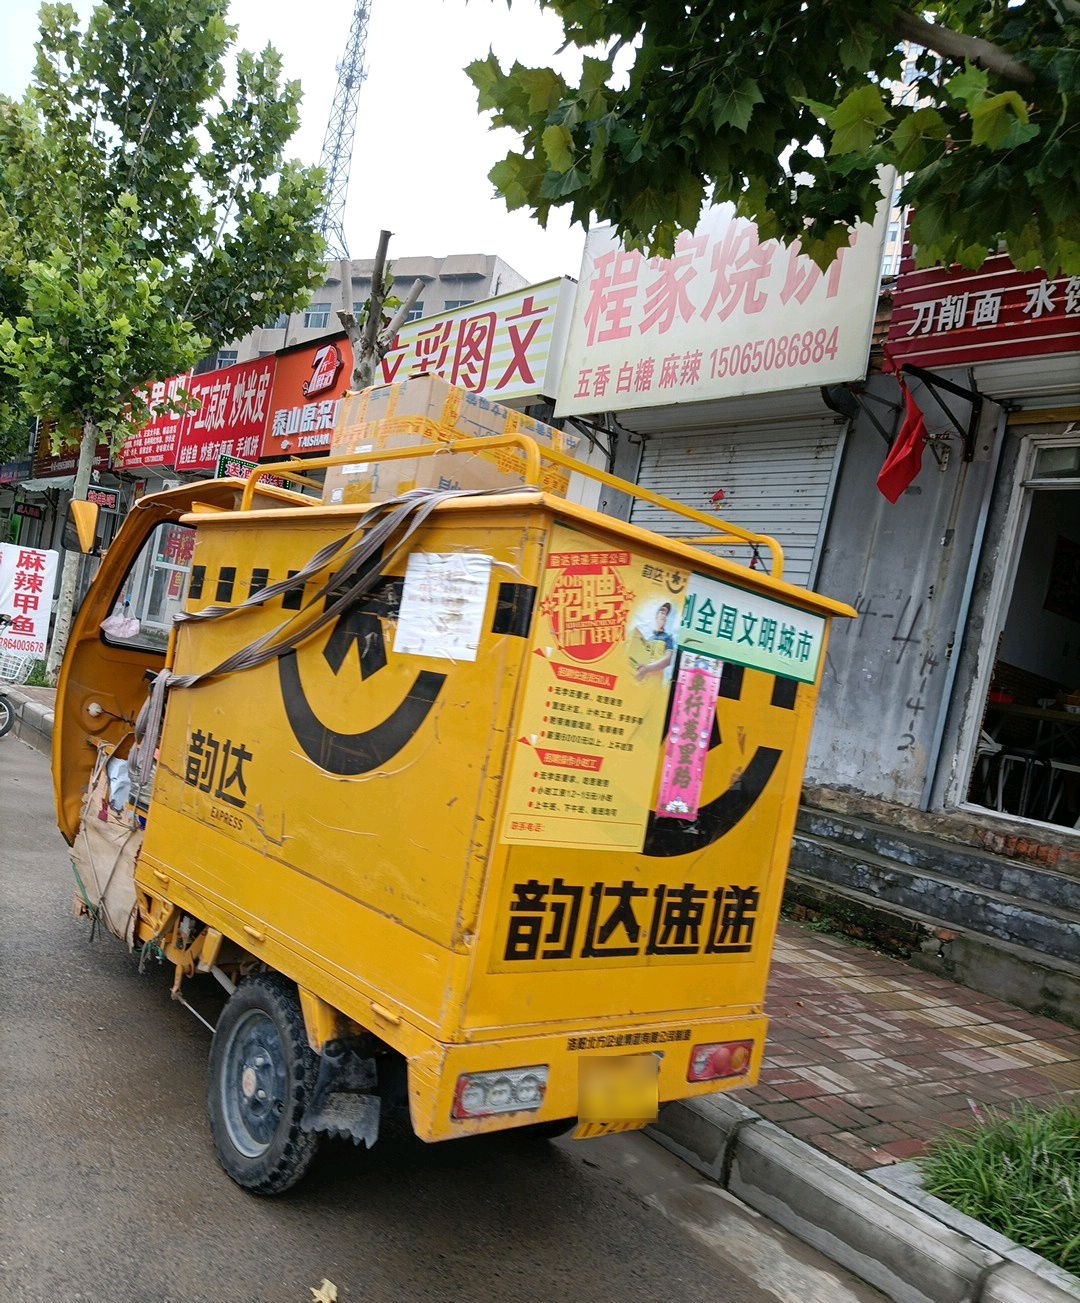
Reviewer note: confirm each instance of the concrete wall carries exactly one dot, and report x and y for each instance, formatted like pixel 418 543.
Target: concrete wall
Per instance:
pixel 904 567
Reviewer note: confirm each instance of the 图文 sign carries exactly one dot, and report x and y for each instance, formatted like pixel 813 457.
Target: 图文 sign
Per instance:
pixel 509 348
pixel 728 315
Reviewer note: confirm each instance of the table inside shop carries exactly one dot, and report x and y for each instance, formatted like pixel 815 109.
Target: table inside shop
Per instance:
pixel 1055 729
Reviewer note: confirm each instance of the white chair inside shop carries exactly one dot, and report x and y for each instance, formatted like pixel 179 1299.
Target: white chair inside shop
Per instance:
pixel 1058 770
pixel 985 753
pixel 1030 766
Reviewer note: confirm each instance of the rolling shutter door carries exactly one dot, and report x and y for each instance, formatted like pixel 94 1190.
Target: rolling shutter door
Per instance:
pixel 776 480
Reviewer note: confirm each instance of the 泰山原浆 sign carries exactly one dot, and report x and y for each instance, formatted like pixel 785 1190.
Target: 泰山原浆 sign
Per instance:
pixel 308 384
pixel 728 315
pixel 736 625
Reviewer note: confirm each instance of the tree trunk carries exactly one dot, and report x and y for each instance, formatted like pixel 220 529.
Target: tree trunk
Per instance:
pixel 69 579
pixel 365 358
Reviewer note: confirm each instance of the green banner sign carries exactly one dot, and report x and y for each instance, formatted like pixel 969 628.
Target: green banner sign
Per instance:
pixel 745 628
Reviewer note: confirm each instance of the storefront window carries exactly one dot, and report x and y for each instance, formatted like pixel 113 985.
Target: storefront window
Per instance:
pixel 1057 464
pixel 154 590
pixel 1028 755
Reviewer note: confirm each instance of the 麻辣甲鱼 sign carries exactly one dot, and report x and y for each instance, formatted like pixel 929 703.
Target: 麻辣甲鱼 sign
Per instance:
pixel 761 633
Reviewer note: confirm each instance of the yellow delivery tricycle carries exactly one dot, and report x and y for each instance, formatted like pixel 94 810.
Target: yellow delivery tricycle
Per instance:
pixel 474 800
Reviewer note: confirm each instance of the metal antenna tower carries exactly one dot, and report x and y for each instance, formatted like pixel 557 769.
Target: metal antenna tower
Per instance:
pixel 337 149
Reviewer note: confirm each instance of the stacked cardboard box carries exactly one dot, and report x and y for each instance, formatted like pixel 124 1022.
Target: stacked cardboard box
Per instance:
pixel 427 410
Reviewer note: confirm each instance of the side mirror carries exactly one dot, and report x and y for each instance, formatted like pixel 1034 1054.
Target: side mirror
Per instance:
pixel 80 526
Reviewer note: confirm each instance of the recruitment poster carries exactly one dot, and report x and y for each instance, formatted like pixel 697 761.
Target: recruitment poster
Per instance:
pixel 585 761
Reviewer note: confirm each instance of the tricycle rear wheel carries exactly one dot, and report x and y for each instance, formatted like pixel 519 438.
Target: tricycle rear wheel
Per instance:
pixel 261 1075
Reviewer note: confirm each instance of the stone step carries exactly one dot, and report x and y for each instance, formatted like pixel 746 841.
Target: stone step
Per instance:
pixel 1014 918
pixel 962 863
pixel 1015 974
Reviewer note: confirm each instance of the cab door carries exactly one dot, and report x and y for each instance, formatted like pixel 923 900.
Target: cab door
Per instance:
pixel 103 681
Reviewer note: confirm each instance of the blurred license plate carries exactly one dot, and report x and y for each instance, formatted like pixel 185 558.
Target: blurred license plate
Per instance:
pixel 620 1093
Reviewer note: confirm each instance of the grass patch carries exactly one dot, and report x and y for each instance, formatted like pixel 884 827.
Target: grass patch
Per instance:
pixel 37 678
pixel 1018 1173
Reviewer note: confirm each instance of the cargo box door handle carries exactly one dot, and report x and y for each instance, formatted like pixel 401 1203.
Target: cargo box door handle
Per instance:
pixel 254 933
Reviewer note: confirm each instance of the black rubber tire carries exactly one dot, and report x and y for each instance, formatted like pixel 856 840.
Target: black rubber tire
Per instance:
pixel 260 1043
pixel 7 715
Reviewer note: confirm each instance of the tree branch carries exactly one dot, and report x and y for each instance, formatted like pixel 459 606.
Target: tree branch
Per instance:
pixel 386 337
pixel 955 45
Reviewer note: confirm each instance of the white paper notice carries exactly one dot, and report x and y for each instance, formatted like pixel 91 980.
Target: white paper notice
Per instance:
pixel 442 605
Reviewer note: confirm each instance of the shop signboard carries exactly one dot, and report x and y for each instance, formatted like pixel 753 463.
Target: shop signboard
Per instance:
pixel 307 383
pixel 239 468
pixel 49 465
pixel 947 316
pixel 106 499
pixel 27 580
pixel 729 315
pixel 509 348
pixel 226 414
pixel 11 472
pixel 154 446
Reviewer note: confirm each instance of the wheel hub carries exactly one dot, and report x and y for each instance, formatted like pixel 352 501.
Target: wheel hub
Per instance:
pixel 254 1084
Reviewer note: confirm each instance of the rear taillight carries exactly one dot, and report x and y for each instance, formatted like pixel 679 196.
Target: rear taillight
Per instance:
pixel 718 1060
pixel 504 1090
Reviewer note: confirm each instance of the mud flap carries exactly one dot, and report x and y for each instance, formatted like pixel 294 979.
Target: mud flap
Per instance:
pixel 345 1101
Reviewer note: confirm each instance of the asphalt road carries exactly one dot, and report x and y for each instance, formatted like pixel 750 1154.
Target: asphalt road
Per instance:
pixel 109 1190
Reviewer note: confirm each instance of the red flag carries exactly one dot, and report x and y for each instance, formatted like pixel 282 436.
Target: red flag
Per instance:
pixel 904 461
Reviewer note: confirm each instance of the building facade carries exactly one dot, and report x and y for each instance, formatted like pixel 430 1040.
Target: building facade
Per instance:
pixel 453 282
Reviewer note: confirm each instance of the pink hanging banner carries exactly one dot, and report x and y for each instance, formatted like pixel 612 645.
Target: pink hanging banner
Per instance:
pixel 693 707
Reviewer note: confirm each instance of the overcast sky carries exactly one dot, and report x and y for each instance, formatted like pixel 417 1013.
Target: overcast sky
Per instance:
pixel 422 151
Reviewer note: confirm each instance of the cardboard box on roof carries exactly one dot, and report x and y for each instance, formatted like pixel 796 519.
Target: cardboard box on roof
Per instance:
pixel 428 410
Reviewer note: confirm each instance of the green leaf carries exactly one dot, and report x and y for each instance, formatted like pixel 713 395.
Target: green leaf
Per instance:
pixel 734 104
pixel 969 86
pixel 993 119
pixel 817 108
pixel 909 139
pixel 856 120
pixel 544 88
pixel 559 148
pixel 857 48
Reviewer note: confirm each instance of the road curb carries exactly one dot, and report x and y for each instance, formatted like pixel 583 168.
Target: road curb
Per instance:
pixel 899 1247
pixel 33 721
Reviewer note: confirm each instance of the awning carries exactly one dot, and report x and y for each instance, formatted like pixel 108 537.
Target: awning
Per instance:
pixel 44 485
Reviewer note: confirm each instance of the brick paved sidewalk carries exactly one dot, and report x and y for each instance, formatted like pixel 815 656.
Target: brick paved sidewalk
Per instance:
pixel 869 1058
pixel 43 696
